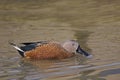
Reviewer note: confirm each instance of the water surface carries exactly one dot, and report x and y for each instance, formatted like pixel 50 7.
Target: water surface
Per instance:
pixel 95 24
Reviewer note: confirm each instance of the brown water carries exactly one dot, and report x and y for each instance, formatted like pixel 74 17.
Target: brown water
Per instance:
pixel 94 23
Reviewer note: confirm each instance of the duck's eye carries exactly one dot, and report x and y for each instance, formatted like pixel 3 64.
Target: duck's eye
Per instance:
pixel 73 44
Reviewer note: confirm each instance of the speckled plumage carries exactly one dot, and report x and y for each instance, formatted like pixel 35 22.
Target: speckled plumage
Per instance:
pixel 48 51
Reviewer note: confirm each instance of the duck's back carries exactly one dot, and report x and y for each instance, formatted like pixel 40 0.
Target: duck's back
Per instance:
pixel 48 51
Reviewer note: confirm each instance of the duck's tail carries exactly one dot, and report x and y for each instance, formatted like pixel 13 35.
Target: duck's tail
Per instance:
pixel 21 52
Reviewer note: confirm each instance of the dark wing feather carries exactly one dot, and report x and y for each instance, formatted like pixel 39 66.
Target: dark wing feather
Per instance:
pixel 32 45
pixel 39 42
pixel 28 47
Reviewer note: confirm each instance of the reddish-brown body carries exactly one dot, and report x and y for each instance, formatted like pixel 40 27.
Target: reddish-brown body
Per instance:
pixel 48 51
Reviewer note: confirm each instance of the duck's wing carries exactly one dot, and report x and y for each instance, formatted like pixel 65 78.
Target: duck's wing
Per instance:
pixel 35 43
pixel 32 45
pixel 27 46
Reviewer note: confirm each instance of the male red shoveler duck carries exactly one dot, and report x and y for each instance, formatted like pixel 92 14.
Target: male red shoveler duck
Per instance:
pixel 50 50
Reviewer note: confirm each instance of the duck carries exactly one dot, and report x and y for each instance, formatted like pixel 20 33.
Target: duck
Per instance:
pixel 50 49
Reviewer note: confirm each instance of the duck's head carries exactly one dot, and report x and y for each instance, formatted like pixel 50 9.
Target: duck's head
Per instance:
pixel 74 47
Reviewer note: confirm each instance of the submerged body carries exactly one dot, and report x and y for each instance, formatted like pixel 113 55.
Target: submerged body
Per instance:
pixel 50 50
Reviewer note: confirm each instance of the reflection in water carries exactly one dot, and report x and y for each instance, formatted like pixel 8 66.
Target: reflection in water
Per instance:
pixel 49 68
pixel 94 23
pixel 110 72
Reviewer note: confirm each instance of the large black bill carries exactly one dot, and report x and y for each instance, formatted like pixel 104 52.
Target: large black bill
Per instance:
pixel 81 51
